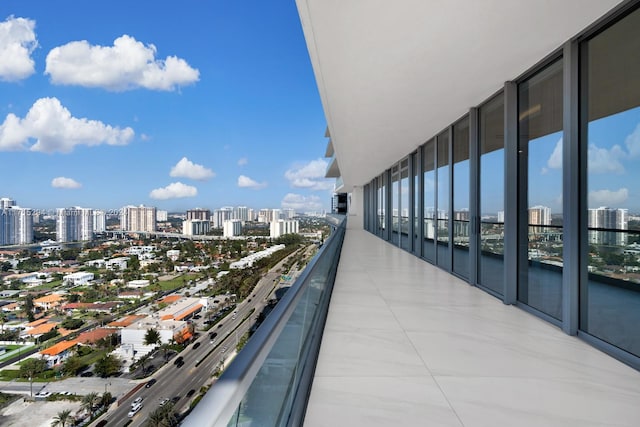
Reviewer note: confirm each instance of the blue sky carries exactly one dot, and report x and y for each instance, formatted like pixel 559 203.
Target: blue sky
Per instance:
pixel 204 104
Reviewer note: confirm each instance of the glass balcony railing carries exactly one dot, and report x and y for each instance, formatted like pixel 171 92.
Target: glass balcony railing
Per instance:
pixel 268 382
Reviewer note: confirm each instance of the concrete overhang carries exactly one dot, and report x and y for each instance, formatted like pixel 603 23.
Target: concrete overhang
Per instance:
pixel 393 74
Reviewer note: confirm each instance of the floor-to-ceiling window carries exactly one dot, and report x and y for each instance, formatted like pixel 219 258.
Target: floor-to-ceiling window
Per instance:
pixel 540 191
pixel 415 178
pixel 395 204
pixel 382 207
pixel 461 215
pixel 429 200
pixel 491 198
pixel 610 123
pixel 443 256
pixel 404 207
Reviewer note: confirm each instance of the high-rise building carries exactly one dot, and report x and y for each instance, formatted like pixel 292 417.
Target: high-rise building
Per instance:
pixel 138 218
pixel 232 227
pixel 608 223
pixel 195 227
pixel 281 227
pixel 162 216
pixel 251 214
pixel 6 203
pixel 74 224
pixel 16 225
pixel 221 215
pixel 539 215
pixel 99 221
pixel 198 213
pixel 288 213
pixel 241 213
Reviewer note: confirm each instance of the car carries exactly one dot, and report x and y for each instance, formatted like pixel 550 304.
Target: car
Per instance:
pixel 219 325
pixel 137 402
pixel 175 399
pixel 196 345
pixel 43 394
pixel 178 361
pixel 164 401
pixel 102 423
pixel 134 410
pixel 212 335
pixel 191 393
pixel 151 382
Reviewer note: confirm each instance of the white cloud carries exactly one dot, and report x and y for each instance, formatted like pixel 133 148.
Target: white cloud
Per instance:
pixel 185 168
pixel 632 141
pixel 63 182
pixel 310 176
pixel 242 161
pixel 301 203
pixel 601 160
pixel 17 42
pixel 608 197
pixel 555 161
pixel 246 182
pixel 53 128
pixel 128 64
pixel 176 190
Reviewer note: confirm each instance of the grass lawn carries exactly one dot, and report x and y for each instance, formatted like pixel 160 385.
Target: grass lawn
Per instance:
pixel 178 282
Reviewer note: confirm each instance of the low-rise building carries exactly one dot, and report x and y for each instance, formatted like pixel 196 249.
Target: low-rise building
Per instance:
pixel 58 353
pixel 49 302
pixel 77 279
pixel 137 284
pixel 117 264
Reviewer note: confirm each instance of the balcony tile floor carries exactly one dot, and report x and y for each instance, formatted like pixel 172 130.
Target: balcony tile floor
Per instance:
pixel 407 344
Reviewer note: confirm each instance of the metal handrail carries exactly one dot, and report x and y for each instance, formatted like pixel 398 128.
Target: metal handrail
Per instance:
pixel 220 403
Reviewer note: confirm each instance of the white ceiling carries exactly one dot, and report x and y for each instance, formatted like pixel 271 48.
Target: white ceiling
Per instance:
pixel 392 74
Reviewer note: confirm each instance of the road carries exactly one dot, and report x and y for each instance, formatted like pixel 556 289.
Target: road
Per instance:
pixel 199 363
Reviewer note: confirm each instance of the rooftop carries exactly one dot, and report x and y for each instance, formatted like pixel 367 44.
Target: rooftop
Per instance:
pixel 58 348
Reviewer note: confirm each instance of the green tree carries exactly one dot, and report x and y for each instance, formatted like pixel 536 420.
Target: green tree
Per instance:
pixel 105 399
pixel 152 337
pixel 3 318
pixel 62 419
pixel 107 366
pixel 28 307
pixel 72 365
pixel 164 416
pixel 32 367
pixel 89 402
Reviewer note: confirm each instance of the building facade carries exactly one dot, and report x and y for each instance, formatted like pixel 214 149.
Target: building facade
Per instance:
pixel 74 224
pixel 201 214
pixel 232 228
pixel 196 227
pixel 16 224
pixel 281 227
pixel 138 218
pixel 560 133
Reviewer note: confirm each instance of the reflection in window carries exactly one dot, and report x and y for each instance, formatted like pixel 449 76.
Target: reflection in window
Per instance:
pixel 540 209
pixel 461 218
pixel 442 214
pixel 610 298
pixel 404 205
pixel 429 176
pixel 395 205
pixel 491 260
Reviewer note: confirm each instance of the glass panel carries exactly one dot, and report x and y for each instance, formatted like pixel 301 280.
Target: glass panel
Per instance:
pixel 540 148
pixel 610 298
pixel 395 205
pixel 461 198
pixel 443 257
pixel 491 260
pixel 416 204
pixel 429 176
pixel 382 191
pixel 405 243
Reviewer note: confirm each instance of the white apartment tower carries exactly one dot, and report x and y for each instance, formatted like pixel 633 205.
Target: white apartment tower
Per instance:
pixel 241 213
pixel 195 227
pixel 74 224
pixel 138 218
pixel 232 227
pixel 99 221
pixel 281 227
pixel 16 225
pixel 6 203
pixel 221 215
pixel 539 215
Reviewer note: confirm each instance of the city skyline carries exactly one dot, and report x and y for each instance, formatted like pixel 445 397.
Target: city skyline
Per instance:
pixel 105 109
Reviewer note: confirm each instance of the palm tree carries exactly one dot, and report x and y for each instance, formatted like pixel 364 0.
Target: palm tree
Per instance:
pixel 89 401
pixel 62 418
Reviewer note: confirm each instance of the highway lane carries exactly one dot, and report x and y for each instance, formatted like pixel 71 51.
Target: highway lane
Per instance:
pixel 173 381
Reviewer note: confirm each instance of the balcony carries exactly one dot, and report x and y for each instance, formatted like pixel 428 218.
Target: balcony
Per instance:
pixel 406 343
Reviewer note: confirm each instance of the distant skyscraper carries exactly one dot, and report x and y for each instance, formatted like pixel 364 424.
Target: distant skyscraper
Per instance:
pixel 281 227
pixel 16 225
pixel 201 214
pixel 608 218
pixel 232 227
pixel 99 221
pixel 138 218
pixel 195 227
pixel 539 215
pixel 241 213
pixel 288 213
pixel 6 203
pixel 162 216
pixel 251 214
pixel 221 215
pixel 74 224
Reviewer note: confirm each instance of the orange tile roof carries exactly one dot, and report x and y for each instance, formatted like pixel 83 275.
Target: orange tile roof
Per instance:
pixel 183 337
pixel 58 348
pixel 188 312
pixel 49 298
pixel 170 298
pixel 126 321
pixel 36 323
pixel 41 329
pixel 95 335
pixel 167 317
